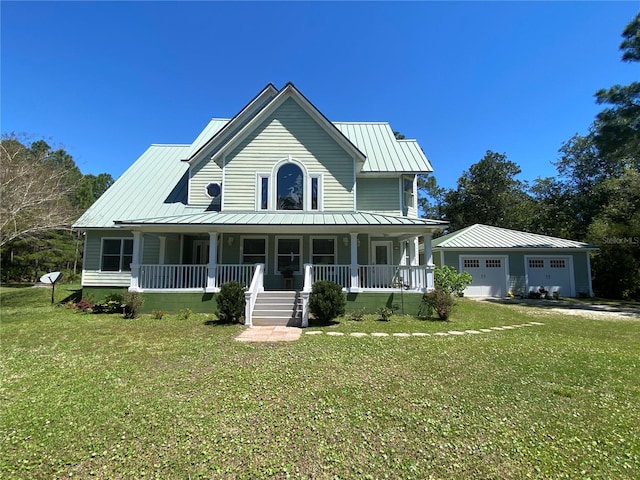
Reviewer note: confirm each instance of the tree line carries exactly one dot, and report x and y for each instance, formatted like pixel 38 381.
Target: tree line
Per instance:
pixel 43 193
pixel 595 196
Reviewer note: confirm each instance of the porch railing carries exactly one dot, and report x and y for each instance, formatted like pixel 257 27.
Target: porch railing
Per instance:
pixel 340 274
pixel 172 276
pixel 184 277
pixel 369 277
pixel 393 276
pixel 235 273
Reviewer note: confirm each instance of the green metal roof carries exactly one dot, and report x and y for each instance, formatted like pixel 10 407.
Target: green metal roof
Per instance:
pixel 155 185
pixel 288 218
pixel 384 153
pixel 480 236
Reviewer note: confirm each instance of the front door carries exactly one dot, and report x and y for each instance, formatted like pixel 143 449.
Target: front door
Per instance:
pixel 382 264
pixel 200 252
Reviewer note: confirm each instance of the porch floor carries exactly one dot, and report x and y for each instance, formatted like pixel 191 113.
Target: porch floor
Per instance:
pixel 270 334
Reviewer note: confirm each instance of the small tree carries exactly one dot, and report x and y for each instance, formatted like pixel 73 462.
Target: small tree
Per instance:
pixel 231 302
pixel 450 281
pixel 327 301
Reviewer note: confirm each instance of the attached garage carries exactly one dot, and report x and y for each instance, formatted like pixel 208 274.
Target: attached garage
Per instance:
pixel 489 275
pixel 506 262
pixel 553 273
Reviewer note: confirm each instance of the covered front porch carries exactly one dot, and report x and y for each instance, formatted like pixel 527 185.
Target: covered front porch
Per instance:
pixel 358 262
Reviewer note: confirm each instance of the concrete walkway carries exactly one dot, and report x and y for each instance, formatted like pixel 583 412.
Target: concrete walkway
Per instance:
pixel 269 334
pixel 289 334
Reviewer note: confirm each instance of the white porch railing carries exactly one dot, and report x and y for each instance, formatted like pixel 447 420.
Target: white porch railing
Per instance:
pixel 161 277
pixel 250 296
pixel 191 277
pixel 340 274
pixel 382 277
pixel 235 273
pixel 369 277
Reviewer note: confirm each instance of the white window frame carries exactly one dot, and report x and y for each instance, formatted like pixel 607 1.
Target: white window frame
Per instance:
pixel 272 194
pixel 324 237
pixel 255 237
pixel 120 264
pixel 320 177
pixel 259 178
pixel 277 255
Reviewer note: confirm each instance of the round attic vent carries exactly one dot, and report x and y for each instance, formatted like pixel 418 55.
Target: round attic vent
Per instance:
pixel 214 190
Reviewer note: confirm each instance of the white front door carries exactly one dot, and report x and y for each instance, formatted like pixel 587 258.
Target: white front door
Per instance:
pixel 551 273
pixel 488 276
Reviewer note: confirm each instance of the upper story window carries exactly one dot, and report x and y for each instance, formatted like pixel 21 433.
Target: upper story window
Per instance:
pixel 290 187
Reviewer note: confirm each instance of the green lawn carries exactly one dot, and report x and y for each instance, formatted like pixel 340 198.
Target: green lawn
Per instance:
pixel 98 396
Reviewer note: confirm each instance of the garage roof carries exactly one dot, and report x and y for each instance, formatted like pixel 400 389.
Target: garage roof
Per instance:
pixel 489 237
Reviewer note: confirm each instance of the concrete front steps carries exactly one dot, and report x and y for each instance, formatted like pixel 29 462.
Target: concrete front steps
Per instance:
pixel 277 309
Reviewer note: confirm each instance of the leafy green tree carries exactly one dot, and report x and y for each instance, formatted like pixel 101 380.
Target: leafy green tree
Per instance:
pixel 489 193
pixel 616 229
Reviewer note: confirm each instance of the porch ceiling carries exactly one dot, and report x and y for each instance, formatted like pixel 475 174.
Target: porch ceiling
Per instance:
pixel 345 221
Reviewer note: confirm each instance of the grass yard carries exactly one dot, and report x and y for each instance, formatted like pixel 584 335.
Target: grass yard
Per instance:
pixel 98 396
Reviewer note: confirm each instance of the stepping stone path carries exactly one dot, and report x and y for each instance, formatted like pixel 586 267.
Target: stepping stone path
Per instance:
pixel 422 334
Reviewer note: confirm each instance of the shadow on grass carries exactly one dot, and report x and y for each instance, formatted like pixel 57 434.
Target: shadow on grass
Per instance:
pixel 323 323
pixel 220 323
pixel 75 296
pixel 572 304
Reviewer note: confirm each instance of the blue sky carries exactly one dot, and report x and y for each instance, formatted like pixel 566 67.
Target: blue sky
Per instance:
pixel 107 79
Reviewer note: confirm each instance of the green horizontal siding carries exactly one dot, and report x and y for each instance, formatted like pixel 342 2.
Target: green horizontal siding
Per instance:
pixel 289 130
pixel 379 195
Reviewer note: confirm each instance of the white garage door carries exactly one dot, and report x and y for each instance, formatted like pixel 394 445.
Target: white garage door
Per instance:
pixel 552 273
pixel 489 276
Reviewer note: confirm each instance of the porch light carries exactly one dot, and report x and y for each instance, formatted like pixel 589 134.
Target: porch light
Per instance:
pixel 345 240
pixel 230 241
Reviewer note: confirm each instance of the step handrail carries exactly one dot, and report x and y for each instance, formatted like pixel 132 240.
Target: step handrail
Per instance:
pixel 251 294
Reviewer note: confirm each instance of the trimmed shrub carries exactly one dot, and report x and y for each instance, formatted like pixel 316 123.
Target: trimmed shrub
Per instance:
pixel 327 301
pixel 449 280
pixel 231 302
pixel 133 302
pixel 185 314
pixel 439 301
pixel 157 314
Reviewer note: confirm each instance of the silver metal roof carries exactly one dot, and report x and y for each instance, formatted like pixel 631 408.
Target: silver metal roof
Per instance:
pixel 384 153
pixel 213 127
pixel 376 140
pixel 155 185
pixel 286 218
pixel 480 236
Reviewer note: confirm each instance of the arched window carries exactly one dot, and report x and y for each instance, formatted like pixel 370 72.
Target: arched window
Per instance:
pixel 290 187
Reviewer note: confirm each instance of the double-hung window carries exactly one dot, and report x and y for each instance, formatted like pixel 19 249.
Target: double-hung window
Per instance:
pixel 117 255
pixel 254 250
pixel 323 251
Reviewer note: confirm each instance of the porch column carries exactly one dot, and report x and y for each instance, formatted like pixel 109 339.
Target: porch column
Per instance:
pixel 212 267
pixel 355 281
pixel 414 258
pixel 134 286
pixel 428 260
